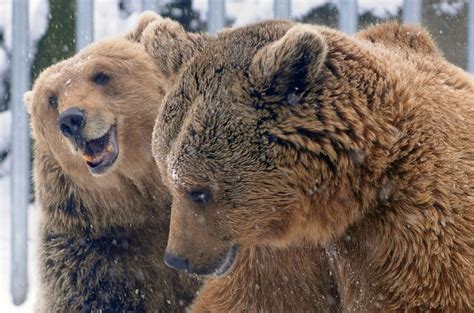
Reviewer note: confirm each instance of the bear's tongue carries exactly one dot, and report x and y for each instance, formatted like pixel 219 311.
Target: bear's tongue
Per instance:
pixel 94 149
pixel 97 145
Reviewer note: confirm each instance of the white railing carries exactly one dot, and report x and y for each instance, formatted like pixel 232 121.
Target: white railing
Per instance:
pixel 216 16
pixel 470 38
pixel 282 9
pixel 84 23
pixel 84 35
pixel 20 150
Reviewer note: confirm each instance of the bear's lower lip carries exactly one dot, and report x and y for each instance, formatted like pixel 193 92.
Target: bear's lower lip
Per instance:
pixel 228 262
pixel 101 153
pixel 218 270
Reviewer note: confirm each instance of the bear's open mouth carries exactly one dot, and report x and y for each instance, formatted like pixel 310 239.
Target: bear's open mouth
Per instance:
pixel 102 152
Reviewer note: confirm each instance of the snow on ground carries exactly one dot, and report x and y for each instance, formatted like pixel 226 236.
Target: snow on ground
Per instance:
pixel 6 305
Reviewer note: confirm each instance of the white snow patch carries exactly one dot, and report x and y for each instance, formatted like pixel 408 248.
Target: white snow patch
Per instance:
pixel 300 8
pixel 249 11
pixel 381 9
pixel 108 19
pixel 452 8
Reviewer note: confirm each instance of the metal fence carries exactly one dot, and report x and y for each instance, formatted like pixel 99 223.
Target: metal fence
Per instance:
pixel 20 73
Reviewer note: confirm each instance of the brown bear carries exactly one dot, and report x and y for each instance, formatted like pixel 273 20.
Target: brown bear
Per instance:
pixel 279 133
pixel 299 274
pixel 105 214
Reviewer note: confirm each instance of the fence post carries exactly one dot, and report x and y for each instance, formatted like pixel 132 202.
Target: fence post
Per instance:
pixel 470 38
pixel 84 23
pixel 348 16
pixel 20 149
pixel 282 9
pixel 216 16
pixel 152 5
pixel 412 11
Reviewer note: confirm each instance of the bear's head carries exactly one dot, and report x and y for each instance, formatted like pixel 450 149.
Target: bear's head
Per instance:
pixel 261 141
pixel 94 112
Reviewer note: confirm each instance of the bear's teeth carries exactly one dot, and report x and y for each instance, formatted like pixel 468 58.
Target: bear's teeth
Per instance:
pixel 110 147
pixel 88 158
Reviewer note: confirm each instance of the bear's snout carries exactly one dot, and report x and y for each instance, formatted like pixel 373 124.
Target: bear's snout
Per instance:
pixel 71 122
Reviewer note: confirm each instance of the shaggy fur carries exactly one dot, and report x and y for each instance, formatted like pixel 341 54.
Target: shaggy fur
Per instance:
pixel 103 236
pixel 279 133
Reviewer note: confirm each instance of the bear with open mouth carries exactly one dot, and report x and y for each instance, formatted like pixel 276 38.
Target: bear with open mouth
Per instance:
pixel 105 212
pixel 99 153
pixel 281 134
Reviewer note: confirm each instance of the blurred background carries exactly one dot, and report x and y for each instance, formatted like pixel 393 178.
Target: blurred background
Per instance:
pixel 37 33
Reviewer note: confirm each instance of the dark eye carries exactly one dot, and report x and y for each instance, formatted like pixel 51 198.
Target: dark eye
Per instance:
pixel 53 102
pixel 202 196
pixel 101 79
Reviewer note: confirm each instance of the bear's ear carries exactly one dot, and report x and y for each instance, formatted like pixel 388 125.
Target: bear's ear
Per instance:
pixel 144 20
pixel 168 42
pixel 411 38
pixel 27 99
pixel 285 66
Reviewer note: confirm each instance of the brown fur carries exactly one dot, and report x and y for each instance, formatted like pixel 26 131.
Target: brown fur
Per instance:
pixel 364 145
pixel 295 279
pixel 402 37
pixel 102 237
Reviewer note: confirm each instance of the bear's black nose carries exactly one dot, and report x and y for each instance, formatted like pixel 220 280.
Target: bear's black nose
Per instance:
pixel 176 262
pixel 71 122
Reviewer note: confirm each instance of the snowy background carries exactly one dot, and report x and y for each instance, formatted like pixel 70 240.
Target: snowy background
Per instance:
pixel 115 17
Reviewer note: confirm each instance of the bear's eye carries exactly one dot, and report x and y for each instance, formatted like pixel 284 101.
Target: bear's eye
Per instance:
pixel 202 196
pixel 101 79
pixel 53 102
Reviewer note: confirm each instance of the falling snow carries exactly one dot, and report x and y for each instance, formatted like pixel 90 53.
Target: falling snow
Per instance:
pixel 109 20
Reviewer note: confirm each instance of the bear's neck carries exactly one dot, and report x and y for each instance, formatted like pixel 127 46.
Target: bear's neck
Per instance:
pixel 69 204
pixel 256 286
